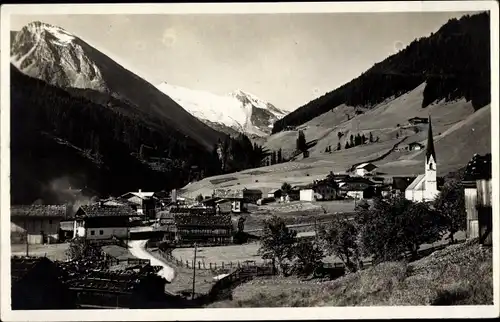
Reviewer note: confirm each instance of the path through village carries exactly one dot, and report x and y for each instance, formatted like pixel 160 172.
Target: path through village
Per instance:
pixel 138 249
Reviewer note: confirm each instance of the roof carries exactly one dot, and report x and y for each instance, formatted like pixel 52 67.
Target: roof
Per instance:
pixel 21 266
pixel 97 210
pixel 430 143
pixel 359 180
pixel 203 220
pixel 44 211
pixel 417 118
pixel 367 166
pixel 401 183
pixel 415 143
pixel 418 183
pixel 354 186
pixel 228 193
pixel 273 191
pixel 252 191
pixel 479 167
pixel 142 195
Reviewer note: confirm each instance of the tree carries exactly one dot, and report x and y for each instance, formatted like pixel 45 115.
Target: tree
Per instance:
pixel 199 198
pixel 339 239
pixel 339 135
pixel 450 204
pixel 397 135
pixel 338 146
pixel 351 140
pixel 347 146
pixel 363 139
pixel 371 137
pixel 395 226
pixel 277 243
pixel 301 142
pixel 80 248
pixel 307 257
pixel 286 188
pixel 326 150
pixel 280 156
pixel 273 157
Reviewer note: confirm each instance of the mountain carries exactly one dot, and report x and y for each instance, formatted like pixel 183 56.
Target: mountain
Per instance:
pixel 60 58
pixel 453 63
pixel 238 111
pixel 56 134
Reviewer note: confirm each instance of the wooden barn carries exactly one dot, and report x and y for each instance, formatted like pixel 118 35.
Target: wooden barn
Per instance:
pixel 38 224
pixel 478 198
pixel 202 228
pixel 37 285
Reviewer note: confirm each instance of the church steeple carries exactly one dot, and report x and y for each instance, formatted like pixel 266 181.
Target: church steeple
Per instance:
pixel 430 144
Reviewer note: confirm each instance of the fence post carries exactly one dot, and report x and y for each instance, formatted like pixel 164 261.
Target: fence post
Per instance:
pixel 210 266
pixel 215 265
pixel 231 264
pixel 199 265
pixel 239 264
pixel 222 265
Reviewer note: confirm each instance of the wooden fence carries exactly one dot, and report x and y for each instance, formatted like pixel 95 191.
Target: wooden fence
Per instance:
pixel 212 266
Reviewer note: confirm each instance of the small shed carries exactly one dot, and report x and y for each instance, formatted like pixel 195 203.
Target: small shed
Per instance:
pixel 275 193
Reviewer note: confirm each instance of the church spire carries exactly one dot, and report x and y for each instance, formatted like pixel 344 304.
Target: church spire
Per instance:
pixel 430 143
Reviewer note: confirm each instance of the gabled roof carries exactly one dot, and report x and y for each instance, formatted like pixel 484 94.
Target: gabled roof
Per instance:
pixel 97 210
pixel 418 183
pixel 252 190
pixel 40 211
pixel 142 195
pixel 367 166
pixel 415 143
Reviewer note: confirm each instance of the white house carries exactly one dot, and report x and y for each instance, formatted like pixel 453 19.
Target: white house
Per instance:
pixel 424 187
pixel 364 169
pixel 98 221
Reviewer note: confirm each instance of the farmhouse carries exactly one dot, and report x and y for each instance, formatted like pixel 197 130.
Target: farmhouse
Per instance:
pixel 98 221
pixel 318 190
pixel 238 197
pixel 424 187
pixel 415 146
pixel 143 202
pixel 357 190
pixel 36 285
pixel 38 223
pixel 275 193
pixel 364 168
pixel 417 120
pixel 478 197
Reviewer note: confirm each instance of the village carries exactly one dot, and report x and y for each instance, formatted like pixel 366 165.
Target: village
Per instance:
pixel 162 249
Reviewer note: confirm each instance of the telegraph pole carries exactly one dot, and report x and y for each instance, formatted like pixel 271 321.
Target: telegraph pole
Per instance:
pixel 194 270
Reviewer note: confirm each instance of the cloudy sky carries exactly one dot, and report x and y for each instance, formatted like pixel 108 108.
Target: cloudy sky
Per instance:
pixel 286 59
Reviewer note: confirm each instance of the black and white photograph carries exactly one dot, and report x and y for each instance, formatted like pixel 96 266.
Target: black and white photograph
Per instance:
pixel 302 160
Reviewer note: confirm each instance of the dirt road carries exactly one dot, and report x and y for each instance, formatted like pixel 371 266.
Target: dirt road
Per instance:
pixel 138 249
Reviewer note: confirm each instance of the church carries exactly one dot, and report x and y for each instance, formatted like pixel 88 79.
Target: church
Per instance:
pixel 424 187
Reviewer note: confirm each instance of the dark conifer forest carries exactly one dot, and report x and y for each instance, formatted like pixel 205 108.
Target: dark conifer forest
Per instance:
pixel 95 140
pixel 454 62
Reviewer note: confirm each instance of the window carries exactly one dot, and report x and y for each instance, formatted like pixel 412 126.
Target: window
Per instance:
pixel 50 221
pixel 101 232
pixel 92 232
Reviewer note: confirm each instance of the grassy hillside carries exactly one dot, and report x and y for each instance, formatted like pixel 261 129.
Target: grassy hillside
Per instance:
pixel 454 63
pixel 458 275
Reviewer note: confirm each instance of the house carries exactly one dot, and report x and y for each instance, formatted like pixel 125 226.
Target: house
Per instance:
pixel 364 169
pixel 357 190
pixel 415 146
pixel 143 202
pixel 38 223
pixel 417 120
pixel 478 198
pixel 425 186
pixel 36 285
pixel 98 221
pixel 275 193
pixel 318 190
pixel 238 197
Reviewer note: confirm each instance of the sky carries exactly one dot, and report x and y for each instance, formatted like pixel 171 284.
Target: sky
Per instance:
pixel 285 59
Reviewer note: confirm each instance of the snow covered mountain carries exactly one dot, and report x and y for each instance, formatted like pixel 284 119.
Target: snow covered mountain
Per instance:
pixel 239 110
pixel 60 58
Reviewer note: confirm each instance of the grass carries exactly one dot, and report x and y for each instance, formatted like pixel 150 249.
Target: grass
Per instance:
pixel 458 275
pixel 52 251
